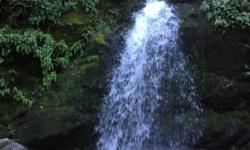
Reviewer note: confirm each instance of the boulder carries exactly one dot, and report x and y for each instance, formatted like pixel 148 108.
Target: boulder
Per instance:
pixel 3 132
pixel 69 106
pixel 7 144
pixel 219 64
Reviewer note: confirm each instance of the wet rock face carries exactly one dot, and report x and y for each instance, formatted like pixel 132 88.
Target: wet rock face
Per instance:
pixel 219 63
pixel 7 144
pixel 3 132
pixel 225 130
pixel 66 113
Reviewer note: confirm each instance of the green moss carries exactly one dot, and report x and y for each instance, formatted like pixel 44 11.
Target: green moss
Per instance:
pixel 45 103
pixel 221 121
pixel 93 59
pixel 62 119
pixel 100 39
pixel 9 110
pixel 186 11
pixel 70 101
pixel 5 117
pixel 210 84
pixel 77 17
pixel 68 88
pixel 47 122
pixel 204 83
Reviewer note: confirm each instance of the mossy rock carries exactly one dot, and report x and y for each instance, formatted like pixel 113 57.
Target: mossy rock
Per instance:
pixel 221 94
pixel 76 18
pixel 4 133
pixel 100 39
pixel 229 130
pixel 72 102
pixel 190 15
pixel 48 122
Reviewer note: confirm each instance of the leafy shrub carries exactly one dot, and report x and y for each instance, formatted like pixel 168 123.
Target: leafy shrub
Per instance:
pixel 227 14
pixel 113 16
pixel 3 89
pixel 37 11
pixel 89 5
pixel 50 53
pixel 101 23
pixel 14 93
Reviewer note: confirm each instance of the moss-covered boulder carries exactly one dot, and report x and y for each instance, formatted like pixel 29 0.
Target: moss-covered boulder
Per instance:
pixel 229 130
pixel 3 132
pixel 70 105
pixel 64 116
pixel 219 64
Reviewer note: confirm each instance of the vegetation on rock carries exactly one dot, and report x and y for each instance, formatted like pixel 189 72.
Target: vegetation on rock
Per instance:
pixel 36 12
pixel 22 40
pixel 228 14
pixel 89 5
pixel 51 54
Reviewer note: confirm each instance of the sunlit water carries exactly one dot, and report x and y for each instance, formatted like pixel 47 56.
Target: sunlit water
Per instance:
pixel 151 102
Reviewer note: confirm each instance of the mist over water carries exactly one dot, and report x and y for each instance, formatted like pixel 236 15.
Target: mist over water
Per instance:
pixel 151 102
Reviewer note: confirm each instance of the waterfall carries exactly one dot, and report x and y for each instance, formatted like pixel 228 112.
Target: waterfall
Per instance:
pixel 151 100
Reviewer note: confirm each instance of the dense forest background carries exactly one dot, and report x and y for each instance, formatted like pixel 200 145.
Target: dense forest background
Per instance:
pixel 44 44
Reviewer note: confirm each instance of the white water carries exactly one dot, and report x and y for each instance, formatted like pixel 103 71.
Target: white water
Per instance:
pixel 150 83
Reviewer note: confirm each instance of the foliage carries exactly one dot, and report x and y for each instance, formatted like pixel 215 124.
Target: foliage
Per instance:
pixel 89 5
pixel 110 18
pixel 225 14
pixel 92 59
pixel 3 89
pixel 19 95
pixel 50 53
pixel 37 11
pixel 14 93
pixel 113 16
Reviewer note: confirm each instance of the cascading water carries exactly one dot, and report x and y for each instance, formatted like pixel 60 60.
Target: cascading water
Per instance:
pixel 150 88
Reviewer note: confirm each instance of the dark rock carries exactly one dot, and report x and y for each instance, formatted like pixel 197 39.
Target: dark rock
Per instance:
pixel 130 7
pixel 63 134
pixel 49 122
pixel 68 107
pixel 225 131
pixel 221 94
pixel 67 110
pixel 3 132
pixel 219 66
pixel 196 14
pixel 247 147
